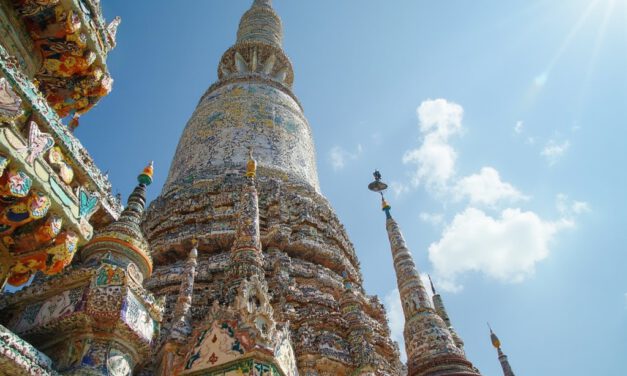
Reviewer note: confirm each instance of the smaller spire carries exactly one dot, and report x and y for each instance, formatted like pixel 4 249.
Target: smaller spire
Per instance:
pixel 181 324
pixel 427 354
pixel 246 257
pixel 495 340
pixel 507 368
pixel 431 283
pixel 126 232
pixel 440 309
pixel 136 203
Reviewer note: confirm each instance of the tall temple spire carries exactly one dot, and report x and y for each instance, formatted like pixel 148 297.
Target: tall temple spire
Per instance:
pixel 431 348
pixel 252 104
pixel 507 369
pixel 205 196
pixel 438 305
pixel 413 293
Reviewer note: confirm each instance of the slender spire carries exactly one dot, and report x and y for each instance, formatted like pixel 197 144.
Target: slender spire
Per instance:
pixel 440 309
pixel 507 369
pixel 413 293
pixel 430 346
pixel 182 321
pixel 431 283
pixel 136 204
pixel 125 237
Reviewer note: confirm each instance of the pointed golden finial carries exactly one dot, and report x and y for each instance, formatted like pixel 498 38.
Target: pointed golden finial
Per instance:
pixel 194 252
pixel 251 165
pixel 495 340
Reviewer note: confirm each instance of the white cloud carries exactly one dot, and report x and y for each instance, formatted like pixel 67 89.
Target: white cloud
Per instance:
pixel 486 188
pixel 441 117
pixel 436 162
pixel 506 248
pixel 435 219
pixel 339 156
pixel 579 207
pixel 570 208
pixel 398 189
pixel 553 151
pixel 435 158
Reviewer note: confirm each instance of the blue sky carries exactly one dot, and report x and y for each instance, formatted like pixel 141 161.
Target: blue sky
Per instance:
pixel 499 125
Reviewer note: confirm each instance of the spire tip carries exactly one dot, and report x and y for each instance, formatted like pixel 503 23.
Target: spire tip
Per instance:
pixel 432 286
pixel 495 340
pixel 145 177
pixel 251 165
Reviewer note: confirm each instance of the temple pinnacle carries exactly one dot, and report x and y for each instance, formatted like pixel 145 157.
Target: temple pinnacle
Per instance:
pixel 261 24
pixel 507 368
pixel 445 355
pixel 145 177
pixel 262 3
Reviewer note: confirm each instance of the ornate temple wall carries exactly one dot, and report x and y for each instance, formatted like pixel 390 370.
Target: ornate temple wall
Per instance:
pixel 306 253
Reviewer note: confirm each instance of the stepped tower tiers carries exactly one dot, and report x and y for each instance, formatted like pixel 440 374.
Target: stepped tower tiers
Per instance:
pixel 432 350
pixel 276 233
pixel 507 369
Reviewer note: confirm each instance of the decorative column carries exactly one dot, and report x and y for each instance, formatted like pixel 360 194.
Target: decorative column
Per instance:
pixel 507 369
pixel 431 349
pixel 246 257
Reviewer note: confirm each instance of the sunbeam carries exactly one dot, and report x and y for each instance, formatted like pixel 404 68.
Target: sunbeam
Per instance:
pixel 598 43
pixel 541 79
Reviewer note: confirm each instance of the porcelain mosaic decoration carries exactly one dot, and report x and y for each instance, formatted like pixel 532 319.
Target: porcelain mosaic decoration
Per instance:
pixel 240 267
